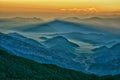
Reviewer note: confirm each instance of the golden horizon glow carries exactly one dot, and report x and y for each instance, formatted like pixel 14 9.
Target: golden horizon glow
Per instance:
pixel 59 6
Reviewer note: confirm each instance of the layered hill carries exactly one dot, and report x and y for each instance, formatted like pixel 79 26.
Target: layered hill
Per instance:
pixel 62 52
pixel 106 60
pixel 57 50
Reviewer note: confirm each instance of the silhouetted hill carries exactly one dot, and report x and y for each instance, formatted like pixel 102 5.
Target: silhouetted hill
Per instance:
pixel 13 68
pixel 59 26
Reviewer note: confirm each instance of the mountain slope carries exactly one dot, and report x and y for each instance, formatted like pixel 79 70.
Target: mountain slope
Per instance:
pixel 13 68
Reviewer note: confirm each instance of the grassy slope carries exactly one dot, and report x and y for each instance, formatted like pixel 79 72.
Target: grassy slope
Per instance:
pixel 17 68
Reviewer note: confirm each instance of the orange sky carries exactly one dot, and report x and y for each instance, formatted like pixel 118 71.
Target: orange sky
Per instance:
pixel 9 7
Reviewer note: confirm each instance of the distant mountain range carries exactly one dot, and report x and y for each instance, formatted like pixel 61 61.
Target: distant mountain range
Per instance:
pixel 62 52
pixel 79 32
pixel 77 46
pixel 93 18
pixel 60 26
pixel 20 19
pixel 11 23
pixel 100 22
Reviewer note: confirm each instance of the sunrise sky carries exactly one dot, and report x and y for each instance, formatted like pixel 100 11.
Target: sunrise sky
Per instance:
pixel 51 7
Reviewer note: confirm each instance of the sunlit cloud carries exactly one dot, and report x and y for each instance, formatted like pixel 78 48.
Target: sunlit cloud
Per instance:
pixel 79 10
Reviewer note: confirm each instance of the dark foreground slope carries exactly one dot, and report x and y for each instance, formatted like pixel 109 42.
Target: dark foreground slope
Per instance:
pixel 14 68
pixel 18 68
